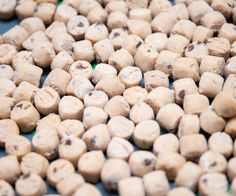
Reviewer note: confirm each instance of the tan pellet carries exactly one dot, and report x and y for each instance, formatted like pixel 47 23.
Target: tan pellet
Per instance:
pixel 189 124
pixel 131 186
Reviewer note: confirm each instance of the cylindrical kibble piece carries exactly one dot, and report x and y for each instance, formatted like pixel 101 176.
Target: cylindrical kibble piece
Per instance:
pixel 6 188
pixel 131 186
pixel 6 105
pixel 189 124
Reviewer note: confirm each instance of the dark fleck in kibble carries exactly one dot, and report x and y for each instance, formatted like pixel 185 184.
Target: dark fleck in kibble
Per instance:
pixel 190 47
pixel 68 142
pixel 182 94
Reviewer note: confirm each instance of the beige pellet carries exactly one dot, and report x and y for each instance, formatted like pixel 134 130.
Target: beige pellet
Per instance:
pixel 34 163
pixel 117 6
pixel 6 105
pixel 154 79
pixel 45 143
pixel 201 34
pixel 71 148
pixel 97 15
pixel 157 41
pixel 212 183
pixel 86 6
pixel 117 106
pixel 135 94
pixel 189 124
pixel 230 127
pixel 225 7
pixel 22 57
pixel 7 10
pixel 222 143
pixel 111 85
pixel 25 92
pixel 83 50
pixel 188 176
pixel 87 189
pixel 113 171
pixel 63 42
pixel 46 122
pixel 6 72
pixel 101 71
pixel 154 178
pixel 131 186
pixel 159 97
pixel 139 27
pixel 79 86
pixel 27 72
pixel 193 146
pixel 97 137
pixel 166 143
pixel 90 165
pixel 230 66
pixel 6 188
pixel 182 87
pixel 70 127
pixel 136 3
pixel 45 11
pixel 96 32
pixel 132 43
pixel 68 185
pixel 9 168
pixel 103 50
pixel 163 22
pixel 231 172
pixel 77 26
pixel 195 13
pixel 213 161
pixel 145 57
pixel 218 46
pixel 57 84
pixel 157 6
pixel 25 9
pixel 117 19
pixel 140 14
pixel 62 61
pixel 25 115
pixel 180 10
pixel 7 87
pixel 95 98
pixel 227 31
pixel 145 133
pixel 8 128
pixel 177 43
pixel 117 37
pixel 180 191
pixel 184 27
pixel 7 52
pixel 64 12
pixel 169 116
pixel 15 36
pixel 213 20
pixel 18 145
pixel 55 28
pixel 81 69
pixel 32 25
pixel 210 84
pixel 33 42
pixel 201 103
pixel 212 64
pixel 120 126
pixel 170 163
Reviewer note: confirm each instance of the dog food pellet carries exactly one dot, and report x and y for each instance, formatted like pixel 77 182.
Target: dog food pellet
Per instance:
pixel 96 32
pixel 36 183
pixel 64 13
pixel 113 6
pixel 96 15
pixel 227 31
pixel 231 172
pixel 179 9
pixel 34 163
pixel 87 189
pixel 212 161
pixel 218 46
pixel 86 6
pixel 193 146
pixel 22 57
pixel 80 69
pixel 63 42
pixel 230 66
pixel 8 128
pixel 56 28
pixel 71 148
pixel 156 183
pixel 9 168
pixel 6 188
pixel 90 165
pixel 7 9
pixel 222 143
pixel 117 37
pixel 103 50
pixel 6 72
pixel 166 143
pixel 142 162
pixel 145 133
pixel 25 115
pixel 225 7
pixel 169 116
pixel 95 98
pixel 69 184
pixel 201 34
pixel 97 137
pixel 135 94
pixel 111 173
pixel 6 105
pixel 145 57
pixel 177 43
pixel 131 43
pixel 58 170
pixel 140 14
pixel 32 25
pixel 7 87
pixel 46 122
pixel 180 191
pixel 45 11
pixel 189 124
pixel 41 144
pixel 131 186
pixel 17 145
pixel 212 183
pixel 170 163
pixel 70 127
pixel 120 126
pixel 7 52
pixel 117 19
pixel 157 41
pixel 119 148
pixel 139 27
pixel 188 176
pixel 212 64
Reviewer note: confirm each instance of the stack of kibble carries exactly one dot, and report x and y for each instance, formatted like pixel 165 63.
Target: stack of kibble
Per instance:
pixel 158 109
